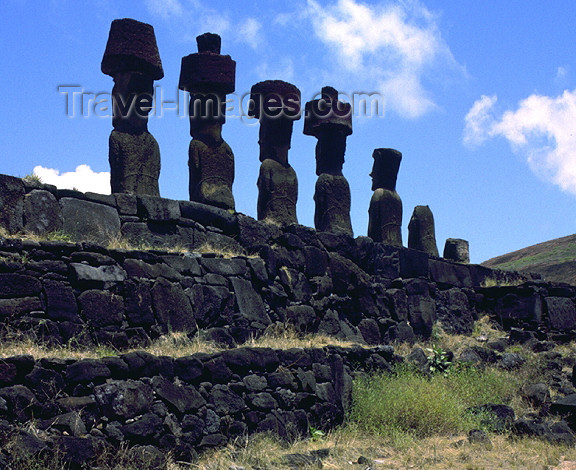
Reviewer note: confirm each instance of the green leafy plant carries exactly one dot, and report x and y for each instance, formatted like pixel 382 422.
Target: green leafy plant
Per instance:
pixel 439 361
pixel 316 434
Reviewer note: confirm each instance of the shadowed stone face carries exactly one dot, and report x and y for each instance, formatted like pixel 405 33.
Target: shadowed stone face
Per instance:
pixel 132 59
pixel 276 104
pixel 385 212
pixel 421 231
pixel 208 76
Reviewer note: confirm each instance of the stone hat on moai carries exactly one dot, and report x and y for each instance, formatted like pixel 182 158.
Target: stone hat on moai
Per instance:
pixel 208 76
pixel 276 104
pixel 131 47
pixel 330 121
pixel 385 169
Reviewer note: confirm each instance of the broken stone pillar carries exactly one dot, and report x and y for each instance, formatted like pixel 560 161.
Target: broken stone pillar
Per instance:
pixel 131 58
pixel 457 249
pixel 209 76
pixel 276 104
pixel 330 121
pixel 421 231
pixel 385 212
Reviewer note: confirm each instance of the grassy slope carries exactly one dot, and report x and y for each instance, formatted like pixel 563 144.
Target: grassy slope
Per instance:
pixel 554 259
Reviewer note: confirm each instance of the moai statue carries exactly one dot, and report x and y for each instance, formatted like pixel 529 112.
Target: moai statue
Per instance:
pixel 330 121
pixel 421 232
pixel 132 59
pixel 209 76
pixel 276 104
pixel 385 213
pixel 457 249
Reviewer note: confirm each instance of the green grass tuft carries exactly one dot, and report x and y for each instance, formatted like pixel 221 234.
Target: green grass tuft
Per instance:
pixel 410 403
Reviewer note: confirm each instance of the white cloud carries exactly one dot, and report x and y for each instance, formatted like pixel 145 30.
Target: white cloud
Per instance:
pixel 541 128
pixel 250 32
pixel 283 69
pixel 395 45
pixel 82 179
pixel 165 9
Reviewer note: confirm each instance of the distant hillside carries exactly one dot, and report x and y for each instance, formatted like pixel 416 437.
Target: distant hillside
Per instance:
pixel 554 259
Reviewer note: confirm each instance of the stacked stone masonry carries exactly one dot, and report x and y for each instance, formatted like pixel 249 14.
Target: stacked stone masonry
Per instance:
pixel 82 293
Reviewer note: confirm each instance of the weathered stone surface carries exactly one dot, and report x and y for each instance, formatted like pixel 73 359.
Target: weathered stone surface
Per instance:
pixel 450 273
pixel 454 311
pixel 18 285
pixel 87 370
pixel 21 402
pixel 134 163
pixel 158 209
pixel 102 226
pixel 225 401
pixel 15 308
pixel 172 307
pixel 333 200
pixel 250 304
pixel 104 275
pixel 277 193
pixel 211 166
pixel 101 308
pixel 180 399
pixel 138 303
pixel 421 231
pixel 42 213
pixel 132 46
pixel 457 249
pixel 385 212
pixel 11 203
pixel 213 304
pixel 143 429
pixel 561 313
pixel 124 399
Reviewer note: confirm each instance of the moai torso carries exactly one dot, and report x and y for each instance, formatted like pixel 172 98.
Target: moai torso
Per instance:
pixel 330 121
pixel 209 76
pixel 276 104
pixel 421 231
pixel 131 58
pixel 385 212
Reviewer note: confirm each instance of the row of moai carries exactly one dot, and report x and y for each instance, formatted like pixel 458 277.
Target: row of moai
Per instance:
pixel 132 59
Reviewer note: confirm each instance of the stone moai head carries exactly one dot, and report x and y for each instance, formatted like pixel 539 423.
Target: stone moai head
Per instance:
pixel 330 121
pixel 276 104
pixel 385 169
pixel 421 231
pixel 457 249
pixel 132 59
pixel 208 76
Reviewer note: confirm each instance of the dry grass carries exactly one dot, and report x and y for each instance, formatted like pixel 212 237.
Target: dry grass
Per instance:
pixel 347 445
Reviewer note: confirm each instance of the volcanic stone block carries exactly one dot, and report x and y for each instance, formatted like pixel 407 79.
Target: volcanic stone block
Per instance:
pixel 11 203
pixel 19 285
pixel 179 399
pixel 277 193
pixel 421 231
pixel 385 212
pixel 124 398
pixel 457 249
pixel 42 213
pixel 561 313
pixel 172 307
pixel 250 304
pixel 102 226
pixel 101 308
pixel 60 301
pixel 134 163
pixel 450 273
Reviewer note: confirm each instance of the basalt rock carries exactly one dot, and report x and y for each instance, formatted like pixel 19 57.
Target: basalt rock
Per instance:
pixel 276 104
pixel 385 212
pixel 421 231
pixel 132 59
pixel 330 121
pixel 457 249
pixel 209 76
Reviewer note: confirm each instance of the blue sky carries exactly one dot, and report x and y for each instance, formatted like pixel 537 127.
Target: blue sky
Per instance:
pixel 480 97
